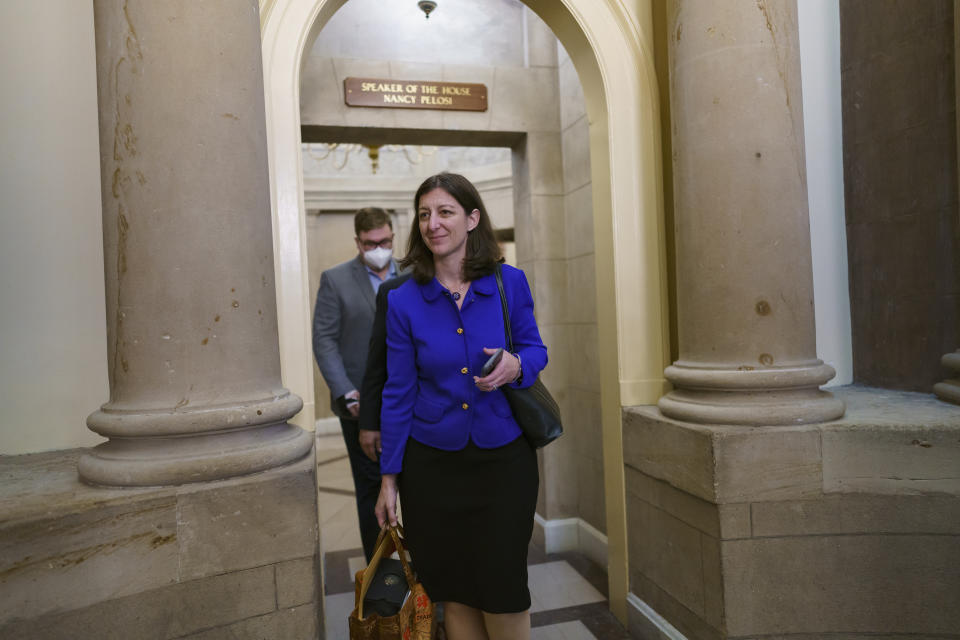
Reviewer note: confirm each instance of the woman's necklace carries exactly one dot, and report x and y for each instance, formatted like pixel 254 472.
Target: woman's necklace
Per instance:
pixel 455 293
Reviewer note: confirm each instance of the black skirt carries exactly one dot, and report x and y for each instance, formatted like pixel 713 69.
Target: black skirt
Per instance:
pixel 468 518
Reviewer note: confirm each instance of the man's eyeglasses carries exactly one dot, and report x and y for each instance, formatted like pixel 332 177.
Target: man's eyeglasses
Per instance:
pixel 370 245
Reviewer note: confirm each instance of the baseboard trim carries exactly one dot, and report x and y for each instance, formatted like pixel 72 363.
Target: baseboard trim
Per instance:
pixel 654 626
pixel 571 534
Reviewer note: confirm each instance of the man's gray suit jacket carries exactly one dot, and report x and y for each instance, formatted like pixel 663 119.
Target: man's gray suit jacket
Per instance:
pixel 342 321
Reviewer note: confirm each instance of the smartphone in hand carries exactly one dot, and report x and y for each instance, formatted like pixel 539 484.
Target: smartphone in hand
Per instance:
pixel 492 363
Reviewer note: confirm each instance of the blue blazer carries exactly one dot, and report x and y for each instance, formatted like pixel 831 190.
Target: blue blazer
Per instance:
pixel 433 351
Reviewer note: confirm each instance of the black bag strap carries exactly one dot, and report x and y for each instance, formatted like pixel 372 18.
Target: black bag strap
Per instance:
pixel 506 311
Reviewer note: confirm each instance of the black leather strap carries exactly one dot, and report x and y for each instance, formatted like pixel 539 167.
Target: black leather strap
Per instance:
pixel 506 311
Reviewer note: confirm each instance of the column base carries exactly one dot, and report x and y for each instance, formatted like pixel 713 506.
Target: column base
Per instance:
pixel 776 396
pixel 949 390
pixel 157 461
pixel 88 562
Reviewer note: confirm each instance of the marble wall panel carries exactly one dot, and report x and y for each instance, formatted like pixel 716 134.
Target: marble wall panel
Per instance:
pixel 297 582
pixel 578 207
pixel 858 514
pixel 667 551
pixel 693 511
pixel 562 492
pixel 520 159
pixel 735 520
pixel 112 551
pixel 685 621
pixel 557 338
pixel 247 524
pixel 663 449
pixel 584 359
pixel 763 464
pixel 549 232
pixel 298 622
pixel 541 43
pixel 499 204
pixel 576 162
pixel 523 234
pixel 912 72
pixel 879 459
pixel 712 581
pixel 591 505
pixel 572 103
pixel 525 99
pixel 550 291
pixel 544 158
pixel 168 612
pixel 932 162
pixel 870 28
pixel 321 93
pixel 842 584
pixel 584 417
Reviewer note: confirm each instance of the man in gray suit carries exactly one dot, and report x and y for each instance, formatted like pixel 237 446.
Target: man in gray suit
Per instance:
pixel 342 322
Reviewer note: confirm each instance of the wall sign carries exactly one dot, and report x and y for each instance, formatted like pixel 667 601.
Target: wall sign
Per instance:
pixel 414 94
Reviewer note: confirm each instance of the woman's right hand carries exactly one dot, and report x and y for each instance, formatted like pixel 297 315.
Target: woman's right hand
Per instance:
pixel 386 508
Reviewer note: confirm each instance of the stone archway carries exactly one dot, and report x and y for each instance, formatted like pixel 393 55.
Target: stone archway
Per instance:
pixel 612 52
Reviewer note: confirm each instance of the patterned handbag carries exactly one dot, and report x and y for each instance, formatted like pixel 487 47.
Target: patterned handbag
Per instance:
pixel 414 621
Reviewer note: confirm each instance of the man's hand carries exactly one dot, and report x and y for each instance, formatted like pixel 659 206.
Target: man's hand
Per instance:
pixel 370 443
pixel 353 402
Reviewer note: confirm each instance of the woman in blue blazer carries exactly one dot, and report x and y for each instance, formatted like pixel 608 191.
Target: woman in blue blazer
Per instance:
pixel 466 477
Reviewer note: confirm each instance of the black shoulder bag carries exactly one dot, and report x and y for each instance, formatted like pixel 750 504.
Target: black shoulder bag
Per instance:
pixel 534 408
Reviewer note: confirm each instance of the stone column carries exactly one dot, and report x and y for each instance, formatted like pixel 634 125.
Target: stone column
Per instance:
pixel 744 278
pixel 194 365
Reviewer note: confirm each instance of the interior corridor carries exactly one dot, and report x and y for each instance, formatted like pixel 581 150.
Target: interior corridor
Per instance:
pixel 568 591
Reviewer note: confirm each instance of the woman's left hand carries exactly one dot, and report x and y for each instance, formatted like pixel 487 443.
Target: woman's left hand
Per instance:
pixel 386 507
pixel 506 371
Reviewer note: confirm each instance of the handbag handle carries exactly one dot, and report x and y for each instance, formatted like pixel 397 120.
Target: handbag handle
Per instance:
pixel 383 543
pixel 506 311
pixel 383 532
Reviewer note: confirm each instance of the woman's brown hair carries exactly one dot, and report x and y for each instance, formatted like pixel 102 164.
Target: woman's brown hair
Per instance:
pixel 483 251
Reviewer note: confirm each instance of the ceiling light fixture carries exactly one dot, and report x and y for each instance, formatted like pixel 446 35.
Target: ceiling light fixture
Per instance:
pixel 427 6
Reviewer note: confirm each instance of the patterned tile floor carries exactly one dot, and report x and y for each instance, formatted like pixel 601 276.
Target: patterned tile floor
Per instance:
pixel 567 590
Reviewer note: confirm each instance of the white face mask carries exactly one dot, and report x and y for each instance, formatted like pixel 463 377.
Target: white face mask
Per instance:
pixel 378 258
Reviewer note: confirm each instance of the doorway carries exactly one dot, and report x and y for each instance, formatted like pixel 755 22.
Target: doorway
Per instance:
pixel 621 140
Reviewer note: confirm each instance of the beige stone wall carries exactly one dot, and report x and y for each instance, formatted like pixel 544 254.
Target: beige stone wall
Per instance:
pixel 53 343
pixel 577 326
pixel 848 528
